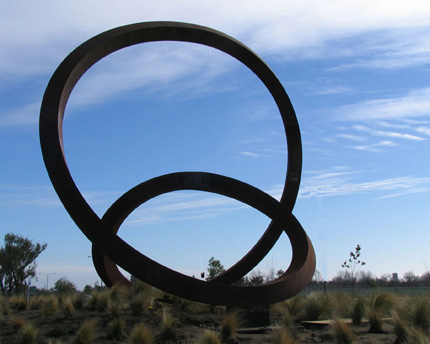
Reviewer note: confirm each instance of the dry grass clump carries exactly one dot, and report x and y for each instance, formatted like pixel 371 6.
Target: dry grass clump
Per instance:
pixel 117 329
pixel 142 297
pixel 18 302
pixel 232 321
pixel 379 306
pixel 114 308
pixel 140 335
pixel 358 310
pixel 295 304
pixel 28 334
pixel 4 307
pixel 419 314
pixel 287 322
pixel 49 306
pixel 342 332
pixel 99 300
pixel 341 304
pixel 68 308
pixel 87 334
pixel 317 304
pixel 35 302
pixel 411 321
pixel 208 337
pixel 119 292
pixel 416 336
pixel 284 336
pixel 167 327
pixel 139 303
pixel 401 328
pixel 17 323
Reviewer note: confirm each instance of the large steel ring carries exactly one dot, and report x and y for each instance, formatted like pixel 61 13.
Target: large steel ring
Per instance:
pixel 102 232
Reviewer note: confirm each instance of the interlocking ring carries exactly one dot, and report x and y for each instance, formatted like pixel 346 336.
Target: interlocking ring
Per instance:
pixel 109 250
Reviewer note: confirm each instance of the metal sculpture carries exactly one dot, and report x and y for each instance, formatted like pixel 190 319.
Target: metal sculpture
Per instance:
pixel 109 250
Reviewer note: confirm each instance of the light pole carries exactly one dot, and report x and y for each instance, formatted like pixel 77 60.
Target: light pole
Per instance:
pixel 47 278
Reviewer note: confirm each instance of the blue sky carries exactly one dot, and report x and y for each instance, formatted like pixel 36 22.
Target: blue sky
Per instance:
pixel 357 73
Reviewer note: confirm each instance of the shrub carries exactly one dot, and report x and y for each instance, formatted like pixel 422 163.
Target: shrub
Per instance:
pixel 287 321
pixel 416 336
pixel 139 303
pixel 117 328
pixel 99 299
pixel 400 329
pixel 294 305
pixel 375 321
pixel 420 314
pixel 49 306
pixel 316 304
pixel 341 304
pixel 28 334
pixel 208 337
pixel 167 327
pixel 283 336
pixel 35 303
pixel 17 323
pixel 342 332
pixel 140 335
pixel 18 302
pixel 118 292
pixel 68 309
pixel 379 305
pixel 358 311
pixel 87 334
pixel 78 300
pixel 229 325
pixel 114 309
pixel 383 302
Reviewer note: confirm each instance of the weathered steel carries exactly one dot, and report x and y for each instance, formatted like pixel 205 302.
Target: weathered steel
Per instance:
pixel 109 250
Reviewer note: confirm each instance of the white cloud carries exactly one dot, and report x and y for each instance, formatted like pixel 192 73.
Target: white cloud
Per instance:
pixel 423 130
pixel 23 115
pixel 351 137
pixel 250 154
pixel 415 103
pixel 325 185
pixel 397 135
pixel 39 35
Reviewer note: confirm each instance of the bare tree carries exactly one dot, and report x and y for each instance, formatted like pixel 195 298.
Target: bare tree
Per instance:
pixel 352 264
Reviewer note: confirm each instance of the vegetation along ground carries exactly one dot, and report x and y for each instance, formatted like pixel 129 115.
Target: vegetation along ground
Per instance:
pixel 143 314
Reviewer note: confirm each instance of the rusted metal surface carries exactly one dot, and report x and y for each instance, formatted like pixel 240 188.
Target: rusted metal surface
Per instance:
pixel 109 250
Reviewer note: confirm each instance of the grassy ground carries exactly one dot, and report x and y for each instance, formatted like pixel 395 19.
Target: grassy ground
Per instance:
pixel 118 316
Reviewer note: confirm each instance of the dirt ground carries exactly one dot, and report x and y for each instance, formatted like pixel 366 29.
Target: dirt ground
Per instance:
pixel 190 325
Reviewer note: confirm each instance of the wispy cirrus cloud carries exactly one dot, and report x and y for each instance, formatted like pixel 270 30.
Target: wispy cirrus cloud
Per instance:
pixel 325 185
pixel 415 103
pixel 375 147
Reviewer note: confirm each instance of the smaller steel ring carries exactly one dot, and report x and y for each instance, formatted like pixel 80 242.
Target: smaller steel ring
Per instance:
pixel 297 276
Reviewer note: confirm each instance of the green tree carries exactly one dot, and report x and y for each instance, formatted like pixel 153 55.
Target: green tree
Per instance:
pixel 64 286
pixel 17 262
pixel 215 268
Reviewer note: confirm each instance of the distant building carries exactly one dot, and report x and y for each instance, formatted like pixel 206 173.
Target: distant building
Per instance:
pixel 395 277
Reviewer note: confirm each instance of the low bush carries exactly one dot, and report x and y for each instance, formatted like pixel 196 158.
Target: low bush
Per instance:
pixel 283 336
pixel 208 337
pixel 28 334
pixel 140 335
pixel 87 334
pixel 117 328
pixel 18 302
pixel 317 304
pixel 342 332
